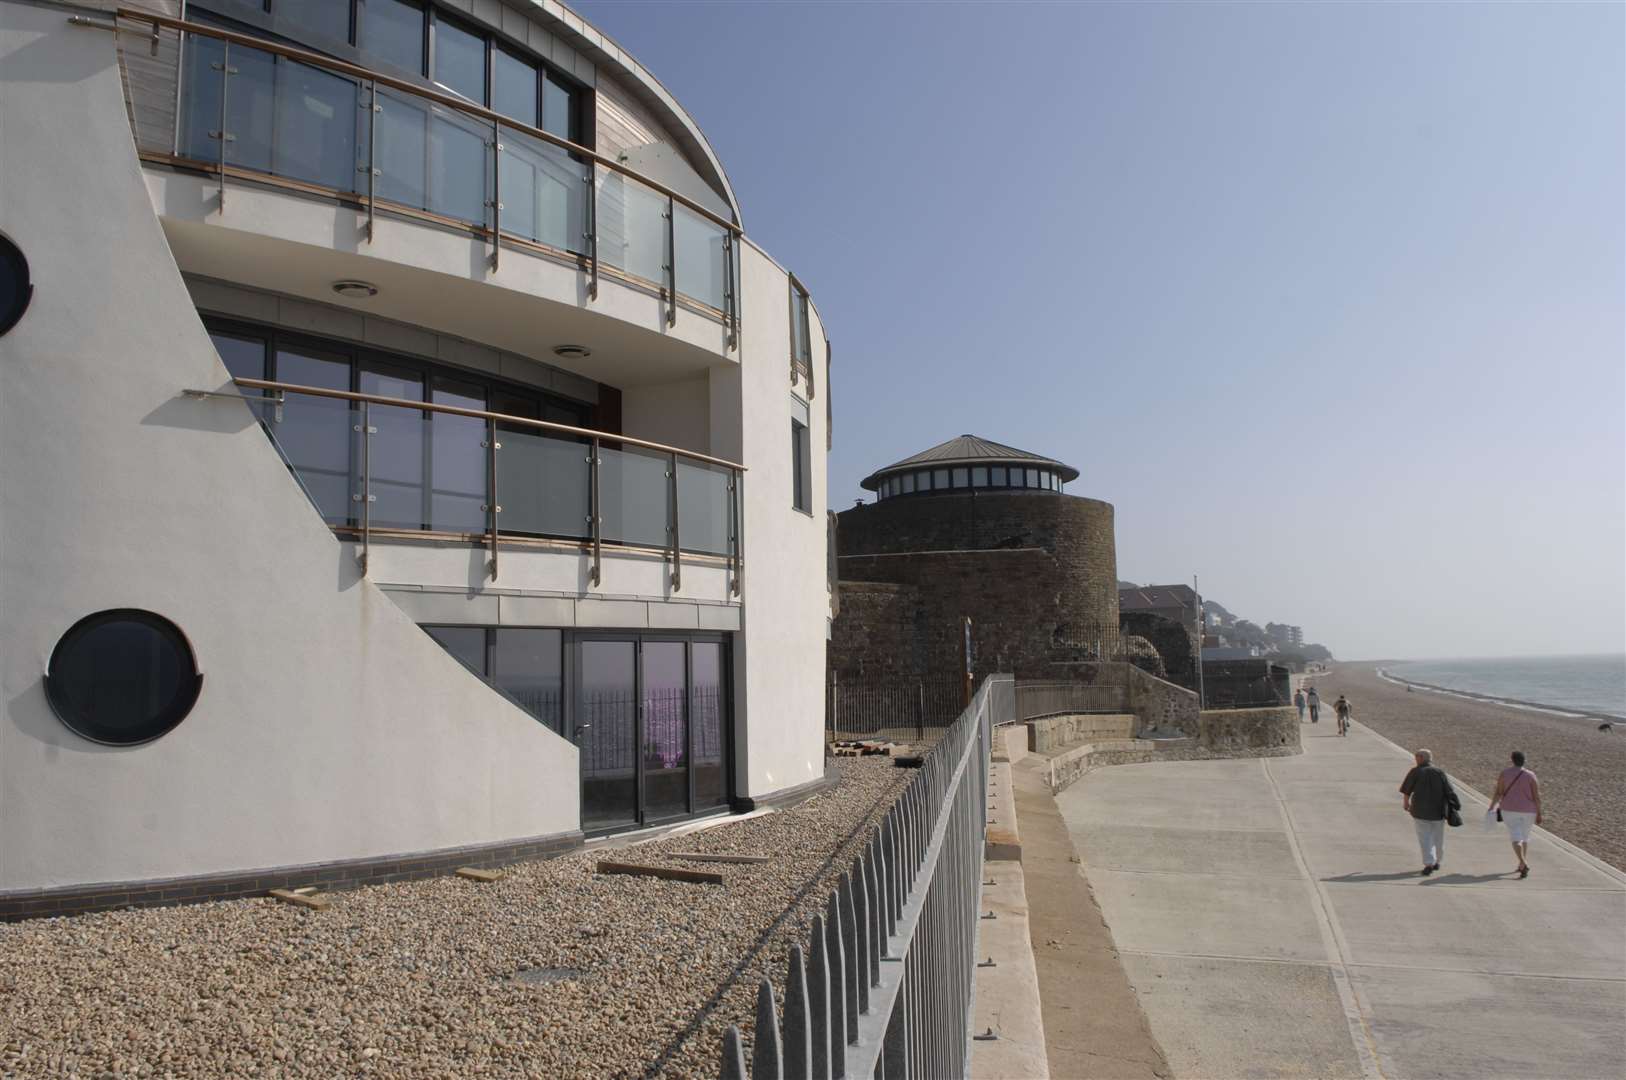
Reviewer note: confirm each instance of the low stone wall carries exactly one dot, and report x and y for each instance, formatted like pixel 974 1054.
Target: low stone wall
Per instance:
pixel 1065 768
pixel 1251 730
pixel 1050 734
pixel 1161 706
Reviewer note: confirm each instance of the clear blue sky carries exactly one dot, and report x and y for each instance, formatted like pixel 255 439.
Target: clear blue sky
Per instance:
pixel 1327 300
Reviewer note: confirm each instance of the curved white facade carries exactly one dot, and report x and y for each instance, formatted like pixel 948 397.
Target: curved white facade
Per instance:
pixel 330 727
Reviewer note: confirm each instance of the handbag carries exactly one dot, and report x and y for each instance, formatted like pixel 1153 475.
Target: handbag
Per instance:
pixel 1452 805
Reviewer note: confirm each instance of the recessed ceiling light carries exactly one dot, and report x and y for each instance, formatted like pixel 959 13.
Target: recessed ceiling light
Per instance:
pixel 572 352
pixel 356 290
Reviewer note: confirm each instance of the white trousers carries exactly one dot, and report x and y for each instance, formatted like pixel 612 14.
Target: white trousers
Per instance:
pixel 1431 839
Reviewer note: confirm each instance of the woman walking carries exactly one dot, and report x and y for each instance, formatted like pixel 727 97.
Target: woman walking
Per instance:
pixel 1518 801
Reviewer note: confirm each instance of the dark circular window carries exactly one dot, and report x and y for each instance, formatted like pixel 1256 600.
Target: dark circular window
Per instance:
pixel 123 677
pixel 15 288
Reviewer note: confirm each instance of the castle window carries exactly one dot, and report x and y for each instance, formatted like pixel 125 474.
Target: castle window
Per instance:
pixel 908 483
pixel 961 478
pixel 940 478
pixel 979 476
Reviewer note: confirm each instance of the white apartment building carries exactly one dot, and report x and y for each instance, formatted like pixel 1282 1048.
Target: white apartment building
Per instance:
pixel 406 460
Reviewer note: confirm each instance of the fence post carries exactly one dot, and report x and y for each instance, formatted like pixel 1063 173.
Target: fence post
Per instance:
pixel 733 1055
pixel 920 710
pixel 837 951
pixel 798 1035
pixel 818 985
pixel 766 1061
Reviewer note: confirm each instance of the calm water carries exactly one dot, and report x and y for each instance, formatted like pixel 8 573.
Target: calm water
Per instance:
pixel 1588 684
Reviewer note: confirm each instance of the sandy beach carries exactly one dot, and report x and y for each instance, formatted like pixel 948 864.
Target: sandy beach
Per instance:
pixel 1582 770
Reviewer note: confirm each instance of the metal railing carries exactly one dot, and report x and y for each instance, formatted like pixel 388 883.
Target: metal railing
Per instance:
pixel 883 985
pixel 1036 699
pixel 905 708
pixel 382 466
pixel 257 109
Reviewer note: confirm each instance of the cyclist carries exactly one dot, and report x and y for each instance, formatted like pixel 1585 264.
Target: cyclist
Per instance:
pixel 1344 710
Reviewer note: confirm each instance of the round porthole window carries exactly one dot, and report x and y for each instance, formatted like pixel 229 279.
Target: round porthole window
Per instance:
pixel 122 677
pixel 15 288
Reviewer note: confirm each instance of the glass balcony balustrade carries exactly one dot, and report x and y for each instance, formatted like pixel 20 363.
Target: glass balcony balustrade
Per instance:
pixel 387 144
pixel 375 467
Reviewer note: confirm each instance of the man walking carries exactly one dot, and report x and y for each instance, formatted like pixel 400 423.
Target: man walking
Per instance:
pixel 1344 710
pixel 1314 701
pixel 1427 795
pixel 1298 702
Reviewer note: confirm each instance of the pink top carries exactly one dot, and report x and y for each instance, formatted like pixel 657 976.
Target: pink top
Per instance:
pixel 1518 785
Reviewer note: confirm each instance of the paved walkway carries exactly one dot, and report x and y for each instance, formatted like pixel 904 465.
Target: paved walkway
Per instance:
pixel 1272 922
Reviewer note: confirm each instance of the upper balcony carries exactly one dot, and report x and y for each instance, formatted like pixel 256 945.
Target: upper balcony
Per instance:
pixel 443 198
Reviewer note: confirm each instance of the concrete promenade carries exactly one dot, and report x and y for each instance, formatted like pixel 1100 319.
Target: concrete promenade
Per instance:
pixel 1272 922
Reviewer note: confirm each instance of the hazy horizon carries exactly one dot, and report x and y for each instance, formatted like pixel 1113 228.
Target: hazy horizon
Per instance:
pixel 1325 299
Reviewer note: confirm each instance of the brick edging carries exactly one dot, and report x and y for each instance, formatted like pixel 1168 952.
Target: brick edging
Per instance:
pixel 341 874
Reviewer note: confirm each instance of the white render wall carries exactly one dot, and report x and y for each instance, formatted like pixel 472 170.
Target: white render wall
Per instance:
pixel 329 725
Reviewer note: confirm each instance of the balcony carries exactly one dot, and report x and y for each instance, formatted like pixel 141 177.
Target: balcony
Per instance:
pixel 378 468
pixel 244 109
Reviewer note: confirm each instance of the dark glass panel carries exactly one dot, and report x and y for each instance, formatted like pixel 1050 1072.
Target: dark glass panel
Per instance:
pixel 527 665
pixel 999 477
pixel 707 713
pixel 458 460
pixel 979 476
pixel 392 31
pixel 960 478
pixel 460 60
pixel 606 719
pixel 316 116
pixel 665 743
pixel 244 357
pixel 401 154
pixel 250 104
pixel 940 479
pixel 122 677
pixel 513 87
pixel 1033 478
pixel 908 483
pixel 315 433
pixel 395 453
pixel 459 165
pixel 559 108
pixel 466 643
pixel 326 18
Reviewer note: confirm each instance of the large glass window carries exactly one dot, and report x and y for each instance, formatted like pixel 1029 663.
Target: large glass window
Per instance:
pixel 325 18
pixel 467 644
pixel 801 344
pixel 940 479
pixel 244 357
pixel 665 738
pixel 560 109
pixel 460 59
pixel 528 666
pixel 708 712
pixel 908 483
pixel 979 476
pixel 513 86
pixel 392 31
pixel 998 476
pixel 960 478
pixel 315 433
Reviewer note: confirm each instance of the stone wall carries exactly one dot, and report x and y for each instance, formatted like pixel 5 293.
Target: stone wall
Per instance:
pixel 1246 732
pixel 1174 642
pixel 1162 707
pixel 1052 733
pixel 1035 572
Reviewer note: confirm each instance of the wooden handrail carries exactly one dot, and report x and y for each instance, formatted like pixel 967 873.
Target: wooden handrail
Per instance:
pixel 451 101
pixel 480 414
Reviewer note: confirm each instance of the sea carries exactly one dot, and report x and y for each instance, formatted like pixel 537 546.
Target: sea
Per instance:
pixel 1584 685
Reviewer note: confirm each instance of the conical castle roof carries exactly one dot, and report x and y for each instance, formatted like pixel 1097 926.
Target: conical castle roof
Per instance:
pixel 968 450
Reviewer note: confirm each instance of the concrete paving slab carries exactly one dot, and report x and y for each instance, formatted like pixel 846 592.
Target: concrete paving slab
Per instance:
pixel 1007 993
pixel 1197 851
pixel 1519 930
pixel 1499 1026
pixel 1487 859
pixel 1467 973
pixel 1244 1018
pixel 1208 915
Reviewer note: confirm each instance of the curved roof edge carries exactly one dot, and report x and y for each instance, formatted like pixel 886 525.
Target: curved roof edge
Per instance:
pixel 599 47
pixel 968 450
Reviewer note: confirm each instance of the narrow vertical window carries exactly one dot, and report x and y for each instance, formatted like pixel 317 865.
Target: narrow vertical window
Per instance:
pixel 801 458
pixel 801 343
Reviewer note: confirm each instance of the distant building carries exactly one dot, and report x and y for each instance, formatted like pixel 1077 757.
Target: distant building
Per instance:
pixel 1177 603
pixel 1171 618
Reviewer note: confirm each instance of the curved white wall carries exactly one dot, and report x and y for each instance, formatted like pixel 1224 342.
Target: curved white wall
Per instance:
pixel 329 726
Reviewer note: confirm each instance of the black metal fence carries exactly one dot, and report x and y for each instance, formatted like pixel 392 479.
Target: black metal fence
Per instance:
pixel 883 985
pixel 903 708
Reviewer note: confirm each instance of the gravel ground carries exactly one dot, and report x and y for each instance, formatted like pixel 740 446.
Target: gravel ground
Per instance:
pixel 419 979
pixel 1582 769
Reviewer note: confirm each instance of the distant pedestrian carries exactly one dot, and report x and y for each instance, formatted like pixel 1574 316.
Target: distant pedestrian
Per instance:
pixel 1314 701
pixel 1428 797
pixel 1344 710
pixel 1298 702
pixel 1517 803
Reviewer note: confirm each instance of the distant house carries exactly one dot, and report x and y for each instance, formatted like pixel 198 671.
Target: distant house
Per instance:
pixel 1177 603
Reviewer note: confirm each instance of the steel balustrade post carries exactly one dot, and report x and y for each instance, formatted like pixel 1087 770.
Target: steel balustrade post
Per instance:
pixel 224 136
pixel 673 517
pixel 595 512
pixel 493 508
pixel 590 229
pixel 861 932
pixel 372 155
pixel 857 993
pixel 365 499
pixel 733 1056
pixel 737 490
pixel 732 315
pixel 496 195
pixel 872 874
pixel 671 262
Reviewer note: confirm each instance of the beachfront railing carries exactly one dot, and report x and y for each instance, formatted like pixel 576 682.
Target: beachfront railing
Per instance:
pixel 249 108
pixel 883 984
pixel 382 467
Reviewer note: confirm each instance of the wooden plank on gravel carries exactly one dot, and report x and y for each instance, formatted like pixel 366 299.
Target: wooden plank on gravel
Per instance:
pixel 474 873
pixel 671 873
pixel 701 856
pixel 301 898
